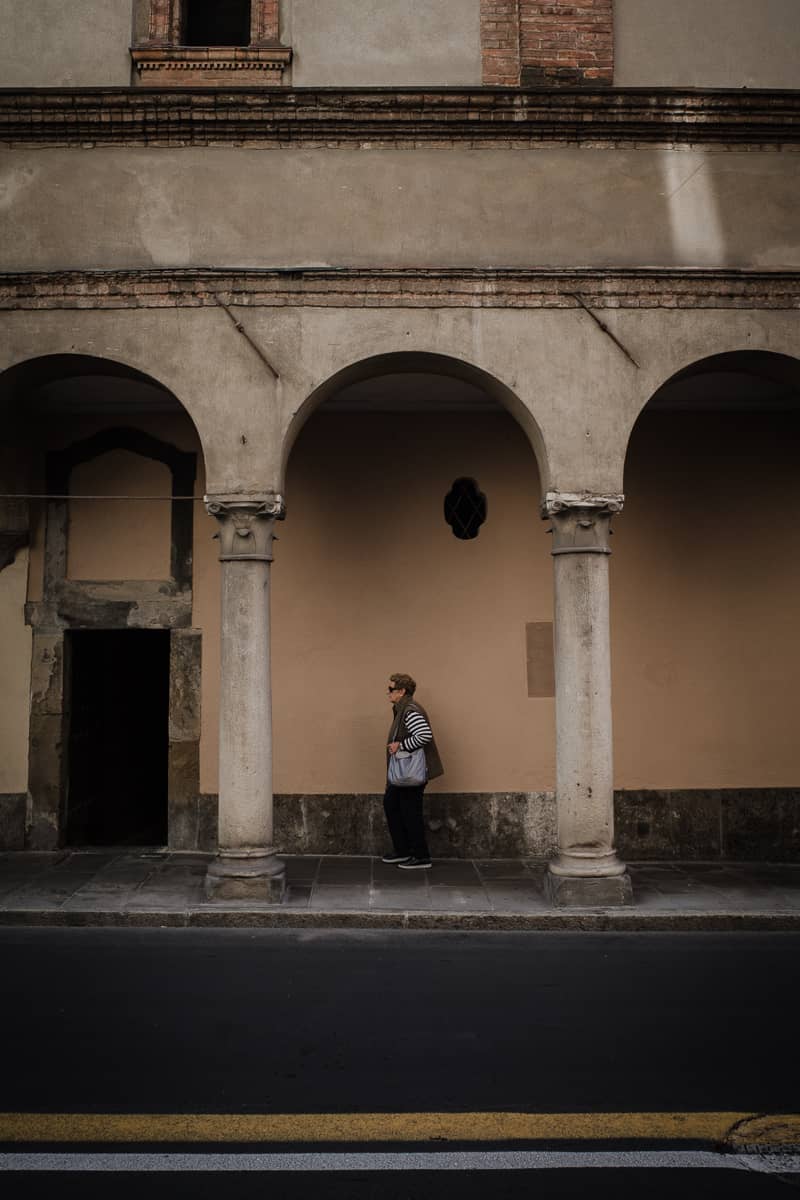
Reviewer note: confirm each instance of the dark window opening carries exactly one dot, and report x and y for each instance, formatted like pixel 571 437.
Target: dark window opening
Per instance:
pixel 465 508
pixel 216 23
pixel 118 737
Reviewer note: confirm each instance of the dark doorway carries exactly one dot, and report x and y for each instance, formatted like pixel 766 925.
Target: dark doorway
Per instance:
pixel 119 737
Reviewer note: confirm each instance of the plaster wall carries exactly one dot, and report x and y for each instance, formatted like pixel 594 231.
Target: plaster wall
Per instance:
pixel 549 206
pixel 368 579
pixel 705 646
pixel 53 43
pixel 384 43
pixel 719 43
pixel 713 44
pixel 121 539
pixel 15 673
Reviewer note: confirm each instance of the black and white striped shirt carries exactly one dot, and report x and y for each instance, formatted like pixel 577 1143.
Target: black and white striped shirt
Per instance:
pixel 419 731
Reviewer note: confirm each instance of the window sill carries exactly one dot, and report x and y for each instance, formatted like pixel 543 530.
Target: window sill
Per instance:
pixel 211 66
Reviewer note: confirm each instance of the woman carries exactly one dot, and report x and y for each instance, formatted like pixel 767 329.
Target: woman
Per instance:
pixel 410 730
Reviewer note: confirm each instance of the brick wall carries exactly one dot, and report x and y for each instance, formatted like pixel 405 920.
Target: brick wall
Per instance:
pixel 500 42
pixel 539 44
pixel 265 21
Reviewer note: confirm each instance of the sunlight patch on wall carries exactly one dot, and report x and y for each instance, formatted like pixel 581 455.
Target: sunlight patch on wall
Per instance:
pixel 693 208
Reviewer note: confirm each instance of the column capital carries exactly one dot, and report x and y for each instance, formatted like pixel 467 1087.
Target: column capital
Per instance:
pixel 580 521
pixel 555 503
pixel 247 525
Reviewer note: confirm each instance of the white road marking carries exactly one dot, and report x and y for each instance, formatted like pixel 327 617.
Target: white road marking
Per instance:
pixel 468 1160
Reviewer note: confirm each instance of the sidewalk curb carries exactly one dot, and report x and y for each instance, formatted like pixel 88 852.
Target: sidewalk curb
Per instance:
pixel 584 920
pixel 771 1134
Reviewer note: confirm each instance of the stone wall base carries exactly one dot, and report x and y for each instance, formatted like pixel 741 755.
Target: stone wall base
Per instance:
pixel 459 825
pixel 738 824
pixel 13 815
pixel 744 824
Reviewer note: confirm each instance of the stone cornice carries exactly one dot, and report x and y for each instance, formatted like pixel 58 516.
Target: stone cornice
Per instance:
pixel 401 288
pixel 330 117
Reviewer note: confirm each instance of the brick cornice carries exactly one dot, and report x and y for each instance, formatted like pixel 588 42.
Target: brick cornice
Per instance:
pixel 208 66
pixel 401 288
pixel 330 117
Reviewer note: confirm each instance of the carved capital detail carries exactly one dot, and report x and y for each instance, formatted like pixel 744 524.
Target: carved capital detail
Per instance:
pixel 558 502
pixel 247 525
pixel 580 522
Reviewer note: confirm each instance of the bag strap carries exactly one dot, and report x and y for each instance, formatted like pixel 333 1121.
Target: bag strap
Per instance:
pixel 398 721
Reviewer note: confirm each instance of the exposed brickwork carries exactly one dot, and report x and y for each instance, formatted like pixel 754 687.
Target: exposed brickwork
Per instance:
pixel 265 22
pixel 165 22
pixel 540 44
pixel 228 66
pixel 331 117
pixel 500 42
pixel 353 288
pixel 567 44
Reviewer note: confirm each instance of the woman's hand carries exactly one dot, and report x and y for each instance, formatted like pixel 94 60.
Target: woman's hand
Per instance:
pixel 394 747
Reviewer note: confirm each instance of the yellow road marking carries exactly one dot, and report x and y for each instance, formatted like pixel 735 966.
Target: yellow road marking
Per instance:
pixel 736 1128
pixel 777 1130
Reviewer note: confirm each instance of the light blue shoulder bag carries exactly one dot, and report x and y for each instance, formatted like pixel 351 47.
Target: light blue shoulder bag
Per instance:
pixel 407 768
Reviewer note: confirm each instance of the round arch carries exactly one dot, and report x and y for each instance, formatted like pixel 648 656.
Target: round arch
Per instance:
pixel 701 378
pixel 704 597
pixel 32 374
pixel 415 362
pixel 63 412
pixel 371 576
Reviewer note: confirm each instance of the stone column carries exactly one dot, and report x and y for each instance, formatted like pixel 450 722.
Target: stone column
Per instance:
pixel 246 867
pixel 587 870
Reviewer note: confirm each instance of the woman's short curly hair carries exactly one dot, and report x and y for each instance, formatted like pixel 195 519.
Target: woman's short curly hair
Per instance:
pixel 404 681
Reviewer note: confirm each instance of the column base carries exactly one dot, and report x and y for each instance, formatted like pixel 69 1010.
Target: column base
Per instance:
pixel 588 891
pixel 259 876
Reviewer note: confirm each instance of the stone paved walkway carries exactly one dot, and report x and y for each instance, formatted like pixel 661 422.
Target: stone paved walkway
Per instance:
pixel 119 887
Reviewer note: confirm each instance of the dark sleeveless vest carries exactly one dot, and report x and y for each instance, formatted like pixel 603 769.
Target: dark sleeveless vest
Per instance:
pixel 432 759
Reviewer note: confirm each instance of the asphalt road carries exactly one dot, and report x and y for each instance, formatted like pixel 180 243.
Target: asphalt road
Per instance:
pixel 547 1185
pixel 282 1022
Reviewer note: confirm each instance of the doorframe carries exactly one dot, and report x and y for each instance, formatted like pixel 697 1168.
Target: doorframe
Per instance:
pixel 119 605
pixel 187 822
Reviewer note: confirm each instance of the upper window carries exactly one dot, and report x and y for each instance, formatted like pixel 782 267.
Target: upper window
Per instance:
pixel 210 23
pixel 212 43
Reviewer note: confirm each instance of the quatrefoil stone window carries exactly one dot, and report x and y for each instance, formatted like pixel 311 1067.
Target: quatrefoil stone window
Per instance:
pixel 465 508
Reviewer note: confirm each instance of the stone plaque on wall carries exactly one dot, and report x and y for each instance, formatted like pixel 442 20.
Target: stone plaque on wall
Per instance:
pixel 539 658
